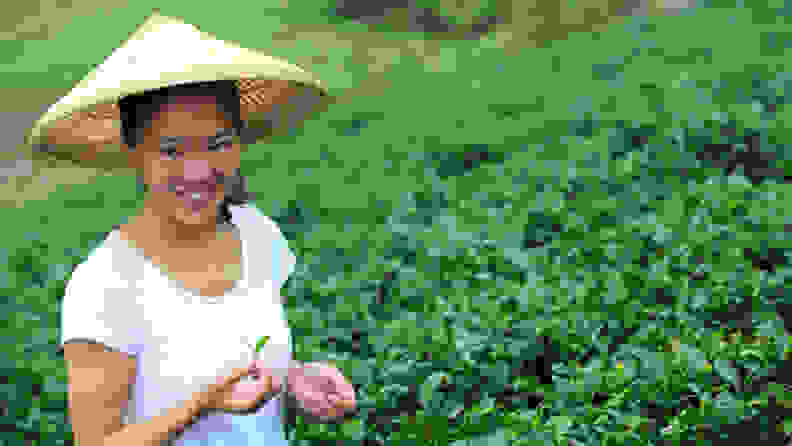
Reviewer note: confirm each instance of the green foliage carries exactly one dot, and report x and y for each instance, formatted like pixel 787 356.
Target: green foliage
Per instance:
pixel 594 257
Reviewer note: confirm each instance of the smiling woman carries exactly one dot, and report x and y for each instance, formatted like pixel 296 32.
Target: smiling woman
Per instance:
pixel 185 140
pixel 159 322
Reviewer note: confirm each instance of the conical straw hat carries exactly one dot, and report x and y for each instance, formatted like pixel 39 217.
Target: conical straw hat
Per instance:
pixel 84 126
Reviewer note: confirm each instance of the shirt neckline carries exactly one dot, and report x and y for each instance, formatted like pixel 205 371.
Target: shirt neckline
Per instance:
pixel 194 295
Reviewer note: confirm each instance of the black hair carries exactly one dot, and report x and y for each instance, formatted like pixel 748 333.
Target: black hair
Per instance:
pixel 137 110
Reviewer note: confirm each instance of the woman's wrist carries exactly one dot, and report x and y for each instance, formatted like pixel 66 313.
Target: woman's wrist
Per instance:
pixel 191 411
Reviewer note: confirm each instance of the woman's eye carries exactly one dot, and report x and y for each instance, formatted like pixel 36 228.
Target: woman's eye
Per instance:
pixel 168 153
pixel 221 147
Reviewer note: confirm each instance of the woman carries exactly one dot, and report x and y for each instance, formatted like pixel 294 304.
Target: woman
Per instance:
pixel 159 322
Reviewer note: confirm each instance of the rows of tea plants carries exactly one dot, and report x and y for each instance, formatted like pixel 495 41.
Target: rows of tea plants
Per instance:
pixel 589 245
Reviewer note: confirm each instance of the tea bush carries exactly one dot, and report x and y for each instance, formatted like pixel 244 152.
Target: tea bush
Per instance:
pixel 588 245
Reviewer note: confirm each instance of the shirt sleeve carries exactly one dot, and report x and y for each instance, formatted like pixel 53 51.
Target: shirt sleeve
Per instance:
pixel 97 308
pixel 276 256
pixel 283 259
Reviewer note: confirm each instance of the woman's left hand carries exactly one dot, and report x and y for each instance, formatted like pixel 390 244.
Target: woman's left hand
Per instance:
pixel 321 390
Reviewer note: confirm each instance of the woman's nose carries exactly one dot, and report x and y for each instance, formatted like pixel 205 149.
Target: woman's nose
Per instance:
pixel 197 169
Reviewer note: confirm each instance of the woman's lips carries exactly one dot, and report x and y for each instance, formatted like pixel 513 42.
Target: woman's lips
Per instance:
pixel 194 188
pixel 196 201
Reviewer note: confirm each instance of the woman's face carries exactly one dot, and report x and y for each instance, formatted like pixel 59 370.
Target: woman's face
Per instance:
pixel 187 148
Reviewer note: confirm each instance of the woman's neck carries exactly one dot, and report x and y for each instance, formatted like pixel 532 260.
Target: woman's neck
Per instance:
pixel 176 234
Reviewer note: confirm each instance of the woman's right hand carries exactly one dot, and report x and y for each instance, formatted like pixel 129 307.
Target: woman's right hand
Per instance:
pixel 231 394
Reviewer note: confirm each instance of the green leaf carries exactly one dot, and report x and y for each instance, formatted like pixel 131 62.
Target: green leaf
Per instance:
pixel 695 357
pixel 261 342
pixel 497 438
pixel 428 388
pixel 726 371
pixel 561 423
pixel 353 428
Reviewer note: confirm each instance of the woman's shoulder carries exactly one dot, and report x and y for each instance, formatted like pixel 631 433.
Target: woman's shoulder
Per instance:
pixel 107 260
pixel 248 215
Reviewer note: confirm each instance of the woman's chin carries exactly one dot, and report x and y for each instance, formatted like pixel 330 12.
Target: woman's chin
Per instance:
pixel 199 216
pixel 196 218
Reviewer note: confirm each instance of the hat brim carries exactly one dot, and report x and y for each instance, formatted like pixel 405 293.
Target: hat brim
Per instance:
pixel 93 138
pixel 85 126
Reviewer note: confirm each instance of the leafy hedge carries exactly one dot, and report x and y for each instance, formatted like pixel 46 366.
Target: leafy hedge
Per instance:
pixel 587 245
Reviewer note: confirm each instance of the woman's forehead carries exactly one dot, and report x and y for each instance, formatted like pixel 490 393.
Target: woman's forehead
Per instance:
pixel 189 113
pixel 190 104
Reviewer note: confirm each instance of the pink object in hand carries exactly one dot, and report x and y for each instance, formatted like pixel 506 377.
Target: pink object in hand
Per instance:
pixel 321 390
pixel 257 382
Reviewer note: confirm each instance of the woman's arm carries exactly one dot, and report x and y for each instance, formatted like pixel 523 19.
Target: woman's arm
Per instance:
pixel 155 431
pixel 99 383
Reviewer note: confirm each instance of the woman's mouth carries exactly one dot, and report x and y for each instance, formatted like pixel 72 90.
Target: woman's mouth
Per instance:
pixel 196 201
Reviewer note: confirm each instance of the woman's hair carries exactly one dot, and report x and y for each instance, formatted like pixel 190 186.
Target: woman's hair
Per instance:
pixel 137 111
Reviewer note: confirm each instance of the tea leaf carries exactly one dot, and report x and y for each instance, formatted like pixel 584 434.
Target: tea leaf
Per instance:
pixel 261 342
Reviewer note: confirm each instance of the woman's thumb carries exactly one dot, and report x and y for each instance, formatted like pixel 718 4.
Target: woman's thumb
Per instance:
pixel 236 376
pixel 276 383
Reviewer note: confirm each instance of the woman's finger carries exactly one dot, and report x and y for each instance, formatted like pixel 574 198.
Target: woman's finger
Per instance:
pixel 313 399
pixel 316 407
pixel 238 374
pixel 346 391
pixel 340 401
pixel 335 376
pixel 223 382
pixel 312 384
pixel 345 404
pixel 326 370
pixel 309 395
pixel 265 383
pixel 276 383
pixel 341 386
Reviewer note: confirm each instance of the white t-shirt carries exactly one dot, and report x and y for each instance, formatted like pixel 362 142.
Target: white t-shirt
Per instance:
pixel 183 341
